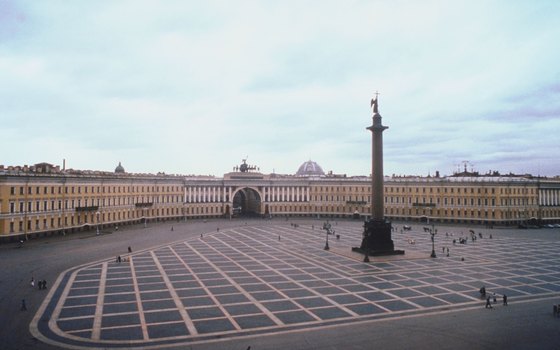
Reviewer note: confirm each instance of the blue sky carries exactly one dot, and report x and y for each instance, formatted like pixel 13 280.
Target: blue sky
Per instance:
pixel 192 87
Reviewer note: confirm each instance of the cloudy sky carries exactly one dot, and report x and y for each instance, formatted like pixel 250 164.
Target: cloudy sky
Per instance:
pixel 192 87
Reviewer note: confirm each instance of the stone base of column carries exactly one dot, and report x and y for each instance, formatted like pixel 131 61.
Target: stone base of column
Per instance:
pixel 377 239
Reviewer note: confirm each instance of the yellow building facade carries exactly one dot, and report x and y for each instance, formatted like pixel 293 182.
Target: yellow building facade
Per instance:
pixel 43 199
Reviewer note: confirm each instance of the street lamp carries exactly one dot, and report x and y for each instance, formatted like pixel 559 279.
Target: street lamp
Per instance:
pixel 327 227
pixel 433 233
pixel 97 223
pixel 145 218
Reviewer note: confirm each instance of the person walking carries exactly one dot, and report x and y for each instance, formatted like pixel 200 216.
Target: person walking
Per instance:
pixel 505 300
pixel 32 282
pixel 488 304
pixel 23 306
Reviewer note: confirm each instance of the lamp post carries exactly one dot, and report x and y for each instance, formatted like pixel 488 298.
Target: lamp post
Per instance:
pixel 145 218
pixel 433 234
pixel 327 228
pixel 97 214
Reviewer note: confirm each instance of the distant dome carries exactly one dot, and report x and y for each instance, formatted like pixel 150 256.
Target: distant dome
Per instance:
pixel 310 168
pixel 119 168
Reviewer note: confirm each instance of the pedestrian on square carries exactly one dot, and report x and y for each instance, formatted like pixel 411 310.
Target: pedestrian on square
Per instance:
pixel 443 249
pixel 32 282
pixel 488 304
pixel 129 250
pixel 40 284
pixel 44 284
pixel 494 297
pixel 505 300
pixel 23 306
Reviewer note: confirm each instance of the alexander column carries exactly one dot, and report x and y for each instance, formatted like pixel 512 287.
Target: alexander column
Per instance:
pixel 377 230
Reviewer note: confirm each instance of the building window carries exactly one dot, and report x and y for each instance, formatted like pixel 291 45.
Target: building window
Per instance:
pixel 12 190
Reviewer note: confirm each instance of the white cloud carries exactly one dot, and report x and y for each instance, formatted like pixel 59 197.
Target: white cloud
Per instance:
pixel 191 87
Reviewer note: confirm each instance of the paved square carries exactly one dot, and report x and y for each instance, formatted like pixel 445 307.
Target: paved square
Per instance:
pixel 268 279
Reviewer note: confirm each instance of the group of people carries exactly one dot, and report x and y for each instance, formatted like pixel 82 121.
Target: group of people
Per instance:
pixel 121 259
pixel 41 283
pixel 490 298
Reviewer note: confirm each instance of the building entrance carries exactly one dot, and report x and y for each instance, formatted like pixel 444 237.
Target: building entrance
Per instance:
pixel 247 202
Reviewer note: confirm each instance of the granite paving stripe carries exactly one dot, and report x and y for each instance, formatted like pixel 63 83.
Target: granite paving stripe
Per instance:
pixel 245 295
pixel 120 297
pixel 280 305
pixel 75 324
pixel 396 305
pixel 243 309
pixel 214 326
pixel 211 300
pixel 120 308
pixel 327 313
pixel 292 317
pixel 254 321
pixel 177 303
pixel 312 302
pixel 80 301
pixel 364 309
pixel 119 320
pixel 81 334
pixel 168 330
pixel 199 301
pixel 139 305
pixel 243 281
pixel 81 311
pixel 427 301
pixel 118 282
pixel 376 296
pixel 162 316
pixel 206 312
pixel 453 298
pixel 129 288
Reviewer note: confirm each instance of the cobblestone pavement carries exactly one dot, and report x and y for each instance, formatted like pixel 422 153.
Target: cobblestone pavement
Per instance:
pixel 255 280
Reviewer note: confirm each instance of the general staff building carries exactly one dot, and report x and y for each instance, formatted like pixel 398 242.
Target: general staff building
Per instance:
pixel 44 199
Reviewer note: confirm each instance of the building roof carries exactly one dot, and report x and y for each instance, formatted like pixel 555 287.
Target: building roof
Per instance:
pixel 310 168
pixel 119 168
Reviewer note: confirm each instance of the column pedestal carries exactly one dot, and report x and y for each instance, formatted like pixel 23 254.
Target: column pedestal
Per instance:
pixel 377 239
